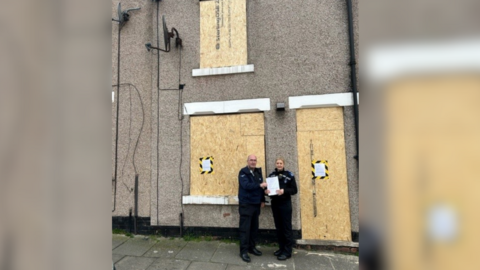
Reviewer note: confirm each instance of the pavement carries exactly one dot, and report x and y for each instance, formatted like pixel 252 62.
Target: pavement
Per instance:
pixel 152 253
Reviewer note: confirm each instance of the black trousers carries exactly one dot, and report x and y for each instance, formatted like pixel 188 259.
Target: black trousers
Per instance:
pixel 248 225
pixel 282 216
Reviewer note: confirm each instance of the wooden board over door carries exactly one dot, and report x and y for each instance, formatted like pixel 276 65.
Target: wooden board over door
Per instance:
pixel 322 131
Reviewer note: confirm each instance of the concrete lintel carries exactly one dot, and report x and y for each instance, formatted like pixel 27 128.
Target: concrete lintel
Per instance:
pixel 321 101
pixel 227 106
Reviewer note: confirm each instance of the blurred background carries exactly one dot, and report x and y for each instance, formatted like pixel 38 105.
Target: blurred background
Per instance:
pixel 419 130
pixel 55 203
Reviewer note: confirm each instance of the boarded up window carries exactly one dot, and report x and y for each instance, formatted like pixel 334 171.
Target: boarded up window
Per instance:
pixel 223 33
pixel 229 139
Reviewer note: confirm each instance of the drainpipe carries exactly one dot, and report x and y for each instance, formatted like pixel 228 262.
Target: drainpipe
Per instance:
pixel 353 73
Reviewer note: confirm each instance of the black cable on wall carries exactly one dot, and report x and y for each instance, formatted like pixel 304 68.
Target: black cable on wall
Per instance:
pixel 180 88
pixel 130 139
pixel 116 129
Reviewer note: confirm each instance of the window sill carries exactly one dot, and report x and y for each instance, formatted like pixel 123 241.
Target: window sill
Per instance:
pixel 213 200
pixel 222 70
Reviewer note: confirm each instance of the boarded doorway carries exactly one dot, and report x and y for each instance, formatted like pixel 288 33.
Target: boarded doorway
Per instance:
pixel 325 212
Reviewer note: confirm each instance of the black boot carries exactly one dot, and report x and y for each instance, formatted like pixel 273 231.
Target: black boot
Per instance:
pixel 245 257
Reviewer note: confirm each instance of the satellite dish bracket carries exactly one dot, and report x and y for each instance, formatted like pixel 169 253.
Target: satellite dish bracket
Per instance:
pixel 166 36
pixel 123 16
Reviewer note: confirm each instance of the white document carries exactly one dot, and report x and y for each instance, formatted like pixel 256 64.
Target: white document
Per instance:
pixel 272 185
pixel 206 165
pixel 319 169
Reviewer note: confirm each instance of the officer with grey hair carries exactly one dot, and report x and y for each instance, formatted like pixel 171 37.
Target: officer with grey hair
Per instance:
pixel 251 198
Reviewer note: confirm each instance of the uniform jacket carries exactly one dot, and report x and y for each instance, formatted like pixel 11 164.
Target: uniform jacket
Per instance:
pixel 286 180
pixel 249 190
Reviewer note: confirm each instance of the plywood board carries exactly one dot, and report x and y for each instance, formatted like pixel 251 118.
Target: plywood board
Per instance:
pixel 252 124
pixel 220 136
pixel 320 119
pixel 432 144
pixel 332 221
pixel 223 33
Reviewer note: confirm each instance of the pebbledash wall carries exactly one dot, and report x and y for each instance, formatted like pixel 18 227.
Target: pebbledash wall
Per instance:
pixel 297 53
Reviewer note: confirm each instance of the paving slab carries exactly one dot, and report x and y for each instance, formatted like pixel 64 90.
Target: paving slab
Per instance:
pixel 230 254
pixel 117 257
pixel 169 264
pixel 198 251
pixel 136 246
pixel 270 261
pixel 166 248
pixel 206 265
pixel 134 263
pixel 147 253
pixel 324 260
pixel 248 267
pixel 341 261
pixel 117 240
pixel 287 264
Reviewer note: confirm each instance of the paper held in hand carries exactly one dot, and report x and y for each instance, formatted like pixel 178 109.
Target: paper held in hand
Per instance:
pixel 272 185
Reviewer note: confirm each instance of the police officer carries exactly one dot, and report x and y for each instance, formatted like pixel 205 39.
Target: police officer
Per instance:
pixel 250 197
pixel 282 208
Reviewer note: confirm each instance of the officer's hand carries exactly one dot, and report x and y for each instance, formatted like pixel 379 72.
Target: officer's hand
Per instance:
pixel 262 205
pixel 267 191
pixel 263 185
pixel 280 191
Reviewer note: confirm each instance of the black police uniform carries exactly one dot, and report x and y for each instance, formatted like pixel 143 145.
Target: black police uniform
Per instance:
pixel 250 197
pixel 282 210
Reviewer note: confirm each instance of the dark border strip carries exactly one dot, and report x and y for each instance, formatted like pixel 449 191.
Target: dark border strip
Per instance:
pixel 144 228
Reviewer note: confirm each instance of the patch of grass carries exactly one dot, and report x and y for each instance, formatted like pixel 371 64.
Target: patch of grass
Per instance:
pixel 171 238
pixel 118 231
pixel 207 238
pixel 190 237
pixel 153 237
pixel 197 238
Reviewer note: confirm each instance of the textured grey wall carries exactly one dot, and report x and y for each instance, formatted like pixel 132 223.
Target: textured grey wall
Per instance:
pixel 134 67
pixel 297 47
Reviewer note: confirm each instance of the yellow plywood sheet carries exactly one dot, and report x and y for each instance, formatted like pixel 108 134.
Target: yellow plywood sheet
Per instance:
pixel 220 136
pixel 320 119
pixel 438 149
pixel 223 33
pixel 252 124
pixel 332 220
